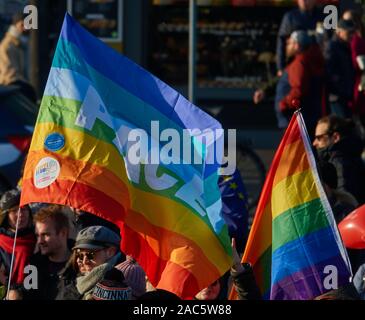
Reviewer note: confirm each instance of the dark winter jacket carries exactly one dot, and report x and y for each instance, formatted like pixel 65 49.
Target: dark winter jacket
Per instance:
pixel 48 278
pixel 340 70
pixel 292 21
pixel 245 284
pixel 66 289
pixel 345 155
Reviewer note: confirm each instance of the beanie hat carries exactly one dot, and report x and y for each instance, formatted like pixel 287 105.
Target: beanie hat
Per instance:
pixel 8 200
pixel 134 276
pixel 112 287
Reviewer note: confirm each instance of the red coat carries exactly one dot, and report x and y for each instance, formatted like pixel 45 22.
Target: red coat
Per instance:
pixel 305 66
pixel 306 81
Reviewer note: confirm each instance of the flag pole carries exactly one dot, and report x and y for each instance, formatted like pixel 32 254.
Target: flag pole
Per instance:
pixel 12 255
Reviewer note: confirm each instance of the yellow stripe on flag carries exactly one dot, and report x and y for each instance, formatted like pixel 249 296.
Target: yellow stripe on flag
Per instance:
pixel 292 192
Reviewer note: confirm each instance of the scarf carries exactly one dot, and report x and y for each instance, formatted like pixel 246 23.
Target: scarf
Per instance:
pixel 86 283
pixel 23 250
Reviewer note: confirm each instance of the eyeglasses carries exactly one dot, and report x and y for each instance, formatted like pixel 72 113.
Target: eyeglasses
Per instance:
pixel 320 136
pixel 89 255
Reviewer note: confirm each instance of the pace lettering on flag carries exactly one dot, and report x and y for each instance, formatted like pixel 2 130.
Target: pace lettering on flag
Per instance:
pixel 169 212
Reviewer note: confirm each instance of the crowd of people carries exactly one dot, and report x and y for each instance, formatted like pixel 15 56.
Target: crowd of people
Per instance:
pixel 77 255
pixel 75 262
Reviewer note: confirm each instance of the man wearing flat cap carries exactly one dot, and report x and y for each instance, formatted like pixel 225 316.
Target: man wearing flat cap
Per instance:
pixel 96 252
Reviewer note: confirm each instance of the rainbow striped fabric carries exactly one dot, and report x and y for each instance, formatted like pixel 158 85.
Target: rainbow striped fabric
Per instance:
pixel 169 214
pixel 294 235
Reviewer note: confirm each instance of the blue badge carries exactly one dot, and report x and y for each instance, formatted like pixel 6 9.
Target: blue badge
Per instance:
pixel 54 141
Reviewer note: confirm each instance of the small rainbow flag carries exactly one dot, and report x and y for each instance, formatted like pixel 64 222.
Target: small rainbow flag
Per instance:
pixel 168 211
pixel 294 243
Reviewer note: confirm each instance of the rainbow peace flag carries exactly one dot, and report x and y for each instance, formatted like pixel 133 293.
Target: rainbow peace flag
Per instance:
pixel 294 243
pixel 168 211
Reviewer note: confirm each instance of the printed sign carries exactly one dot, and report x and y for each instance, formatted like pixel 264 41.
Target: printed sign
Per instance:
pixel 46 172
pixel 54 141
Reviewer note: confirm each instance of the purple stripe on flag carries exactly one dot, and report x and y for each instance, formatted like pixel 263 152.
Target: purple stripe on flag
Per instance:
pixel 309 283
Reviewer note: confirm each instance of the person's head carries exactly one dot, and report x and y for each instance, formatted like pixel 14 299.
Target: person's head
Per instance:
pixel 52 230
pixel 356 17
pixel 18 22
pixel 330 130
pixel 345 30
pixel 10 212
pixel 94 246
pixel 306 5
pixel 134 276
pixel 297 42
pixel 211 292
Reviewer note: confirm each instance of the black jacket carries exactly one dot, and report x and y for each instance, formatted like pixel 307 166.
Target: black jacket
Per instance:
pixel 246 285
pixel 67 284
pixel 340 70
pixel 48 278
pixel 345 155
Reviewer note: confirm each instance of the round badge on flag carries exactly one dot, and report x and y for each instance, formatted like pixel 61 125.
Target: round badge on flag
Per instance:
pixel 54 141
pixel 46 172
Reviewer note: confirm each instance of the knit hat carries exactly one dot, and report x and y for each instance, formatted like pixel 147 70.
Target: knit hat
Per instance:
pixel 112 287
pixel 134 276
pixel 96 237
pixel 8 200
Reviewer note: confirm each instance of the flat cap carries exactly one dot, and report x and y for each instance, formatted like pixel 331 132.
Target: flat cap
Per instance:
pixel 96 237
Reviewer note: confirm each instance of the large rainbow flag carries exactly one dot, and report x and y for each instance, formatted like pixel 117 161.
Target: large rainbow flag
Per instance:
pixel 168 211
pixel 294 235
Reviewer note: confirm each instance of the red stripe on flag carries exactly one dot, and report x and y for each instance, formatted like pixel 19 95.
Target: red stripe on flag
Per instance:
pixel 76 195
pixel 161 273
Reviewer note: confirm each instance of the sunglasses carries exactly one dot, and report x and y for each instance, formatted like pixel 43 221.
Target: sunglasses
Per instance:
pixel 320 136
pixel 89 255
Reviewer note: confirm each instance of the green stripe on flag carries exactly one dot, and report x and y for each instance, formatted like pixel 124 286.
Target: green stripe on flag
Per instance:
pixel 298 222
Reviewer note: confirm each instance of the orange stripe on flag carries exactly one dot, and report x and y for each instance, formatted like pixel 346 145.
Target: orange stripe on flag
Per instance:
pixel 139 248
pixel 174 247
pixel 293 160
pixel 92 175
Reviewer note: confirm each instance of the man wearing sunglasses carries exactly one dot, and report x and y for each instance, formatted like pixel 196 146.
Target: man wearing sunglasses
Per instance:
pixel 337 143
pixel 96 252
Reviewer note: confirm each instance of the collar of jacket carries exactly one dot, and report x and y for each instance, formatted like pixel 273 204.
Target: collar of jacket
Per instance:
pixel 87 282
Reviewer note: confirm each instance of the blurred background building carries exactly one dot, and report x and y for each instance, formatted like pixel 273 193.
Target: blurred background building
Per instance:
pixel 236 44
